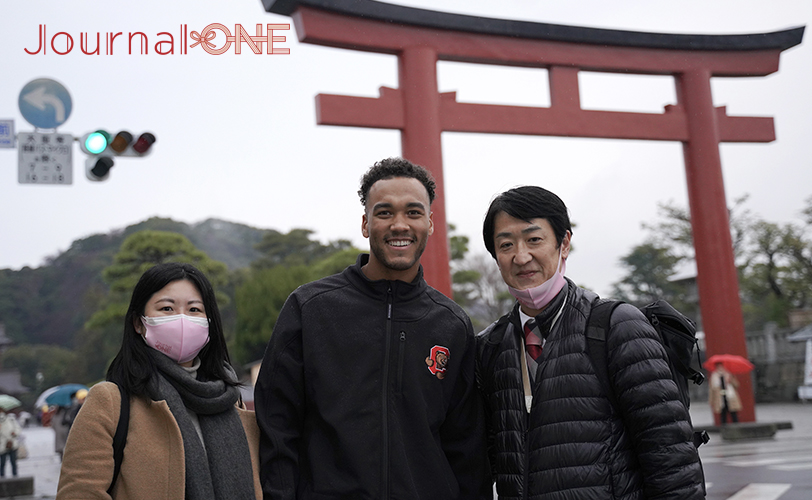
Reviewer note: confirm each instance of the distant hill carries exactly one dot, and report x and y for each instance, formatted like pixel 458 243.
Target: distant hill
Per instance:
pixel 49 304
pixel 228 242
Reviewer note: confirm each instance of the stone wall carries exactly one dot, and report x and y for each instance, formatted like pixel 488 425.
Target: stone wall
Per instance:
pixel 779 364
pixel 779 367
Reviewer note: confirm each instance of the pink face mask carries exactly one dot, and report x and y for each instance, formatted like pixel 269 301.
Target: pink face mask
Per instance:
pixel 180 337
pixel 539 296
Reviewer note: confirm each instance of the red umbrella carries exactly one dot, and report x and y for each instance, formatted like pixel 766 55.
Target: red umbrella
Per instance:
pixel 733 363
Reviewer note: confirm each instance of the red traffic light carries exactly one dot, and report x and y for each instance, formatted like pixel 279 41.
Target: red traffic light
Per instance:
pixel 143 143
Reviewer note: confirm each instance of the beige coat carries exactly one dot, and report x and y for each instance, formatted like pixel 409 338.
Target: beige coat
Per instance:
pixel 9 433
pixel 715 392
pixel 153 466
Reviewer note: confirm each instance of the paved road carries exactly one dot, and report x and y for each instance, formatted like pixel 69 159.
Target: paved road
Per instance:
pixel 772 469
pixel 769 469
pixel 42 462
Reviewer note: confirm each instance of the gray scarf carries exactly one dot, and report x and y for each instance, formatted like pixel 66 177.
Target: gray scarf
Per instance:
pixel 228 473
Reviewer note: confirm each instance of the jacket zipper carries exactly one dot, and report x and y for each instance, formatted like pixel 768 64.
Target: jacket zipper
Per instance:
pixel 385 398
pixel 401 351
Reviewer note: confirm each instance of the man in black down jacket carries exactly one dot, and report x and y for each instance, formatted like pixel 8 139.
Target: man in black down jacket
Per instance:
pixel 553 433
pixel 367 389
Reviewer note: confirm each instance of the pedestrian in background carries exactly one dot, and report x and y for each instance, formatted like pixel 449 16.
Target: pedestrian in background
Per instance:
pixel 24 418
pixel 78 399
pixel 9 442
pixel 187 438
pixel 723 397
pixel 61 427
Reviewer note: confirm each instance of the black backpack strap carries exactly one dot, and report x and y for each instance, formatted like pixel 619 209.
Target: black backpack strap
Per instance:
pixel 688 372
pixel 597 327
pixel 701 437
pixel 653 317
pixel 120 437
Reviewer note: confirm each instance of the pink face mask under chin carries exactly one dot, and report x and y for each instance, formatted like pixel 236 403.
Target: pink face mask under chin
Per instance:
pixel 538 297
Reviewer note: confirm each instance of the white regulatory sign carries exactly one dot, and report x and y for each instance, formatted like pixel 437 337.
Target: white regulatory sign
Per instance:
pixel 45 158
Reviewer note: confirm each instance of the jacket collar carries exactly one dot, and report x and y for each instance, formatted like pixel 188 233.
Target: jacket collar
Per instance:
pixel 545 319
pixel 377 289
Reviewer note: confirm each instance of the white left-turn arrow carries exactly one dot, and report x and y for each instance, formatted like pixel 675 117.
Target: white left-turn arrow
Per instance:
pixel 38 98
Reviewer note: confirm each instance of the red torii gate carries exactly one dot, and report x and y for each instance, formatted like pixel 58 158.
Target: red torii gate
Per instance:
pixel 420 38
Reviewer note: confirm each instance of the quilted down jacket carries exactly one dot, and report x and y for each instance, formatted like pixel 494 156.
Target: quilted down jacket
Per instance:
pixel 573 444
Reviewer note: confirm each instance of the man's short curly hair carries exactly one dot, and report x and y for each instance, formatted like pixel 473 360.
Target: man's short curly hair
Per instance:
pixel 395 167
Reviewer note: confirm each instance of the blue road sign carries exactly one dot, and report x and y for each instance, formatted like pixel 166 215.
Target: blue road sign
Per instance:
pixel 45 103
pixel 7 134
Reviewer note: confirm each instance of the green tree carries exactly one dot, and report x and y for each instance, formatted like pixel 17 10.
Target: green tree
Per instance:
pixel 51 303
pixel 774 261
pixel 294 248
pixel 463 276
pixel 57 365
pixel 480 290
pixel 259 301
pixel 145 249
pixel 648 269
pixel 798 249
pixel 263 291
pixel 334 263
pixel 673 228
pixel 458 244
pixel 778 274
pixel 101 336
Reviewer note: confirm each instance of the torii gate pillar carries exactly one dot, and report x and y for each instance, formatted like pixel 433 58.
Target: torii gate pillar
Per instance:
pixel 717 278
pixel 421 144
pixel 420 38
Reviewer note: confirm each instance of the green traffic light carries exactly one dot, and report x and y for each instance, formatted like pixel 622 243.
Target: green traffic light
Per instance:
pixel 96 142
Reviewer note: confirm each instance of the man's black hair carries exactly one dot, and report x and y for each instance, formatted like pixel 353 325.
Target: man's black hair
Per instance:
pixel 527 203
pixel 395 167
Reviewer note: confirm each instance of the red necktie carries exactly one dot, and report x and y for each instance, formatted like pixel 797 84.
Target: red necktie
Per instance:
pixel 531 340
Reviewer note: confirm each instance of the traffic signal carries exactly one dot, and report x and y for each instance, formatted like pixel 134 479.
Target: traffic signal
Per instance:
pixel 102 147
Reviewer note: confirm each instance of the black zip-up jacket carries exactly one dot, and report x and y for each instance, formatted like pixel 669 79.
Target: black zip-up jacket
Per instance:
pixel 367 391
pixel 574 444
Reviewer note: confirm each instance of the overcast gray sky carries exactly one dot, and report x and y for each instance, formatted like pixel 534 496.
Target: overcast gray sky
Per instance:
pixel 237 137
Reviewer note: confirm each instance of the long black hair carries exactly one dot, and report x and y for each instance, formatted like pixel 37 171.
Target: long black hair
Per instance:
pixel 133 367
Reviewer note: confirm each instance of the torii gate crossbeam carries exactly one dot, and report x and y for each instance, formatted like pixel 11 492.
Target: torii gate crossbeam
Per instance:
pixel 420 38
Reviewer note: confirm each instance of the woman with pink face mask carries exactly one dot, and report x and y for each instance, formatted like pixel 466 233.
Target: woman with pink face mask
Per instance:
pixel 188 436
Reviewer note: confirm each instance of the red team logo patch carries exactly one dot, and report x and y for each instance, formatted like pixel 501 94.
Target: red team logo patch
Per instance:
pixel 438 361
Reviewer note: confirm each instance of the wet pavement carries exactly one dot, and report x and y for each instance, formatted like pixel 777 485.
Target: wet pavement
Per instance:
pixel 42 462
pixel 778 468
pixel 767 469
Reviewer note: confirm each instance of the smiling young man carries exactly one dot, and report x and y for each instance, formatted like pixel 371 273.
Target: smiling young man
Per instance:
pixel 398 224
pixel 554 432
pixel 367 389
